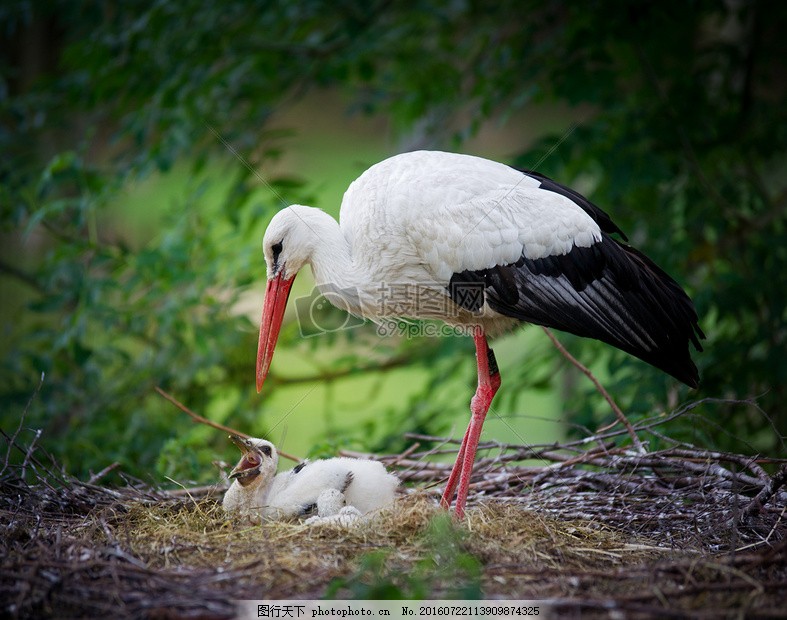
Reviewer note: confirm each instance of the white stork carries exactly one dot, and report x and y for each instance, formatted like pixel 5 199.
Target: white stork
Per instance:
pixel 477 243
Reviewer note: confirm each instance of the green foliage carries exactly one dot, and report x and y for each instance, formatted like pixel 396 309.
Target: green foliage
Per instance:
pixel 686 147
pixel 680 134
pixel 446 570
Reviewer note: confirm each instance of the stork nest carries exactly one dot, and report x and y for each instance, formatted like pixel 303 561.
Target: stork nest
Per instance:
pixel 592 526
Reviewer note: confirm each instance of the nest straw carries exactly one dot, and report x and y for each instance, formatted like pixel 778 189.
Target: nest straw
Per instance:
pixel 594 526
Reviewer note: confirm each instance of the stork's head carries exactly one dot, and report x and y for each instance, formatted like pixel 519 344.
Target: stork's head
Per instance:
pixel 289 240
pixel 258 461
pixel 288 245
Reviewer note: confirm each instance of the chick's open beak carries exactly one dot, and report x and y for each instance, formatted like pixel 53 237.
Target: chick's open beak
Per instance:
pixel 241 471
pixel 250 462
pixel 242 443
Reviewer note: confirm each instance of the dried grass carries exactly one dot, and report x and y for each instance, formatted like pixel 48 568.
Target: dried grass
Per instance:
pixel 599 530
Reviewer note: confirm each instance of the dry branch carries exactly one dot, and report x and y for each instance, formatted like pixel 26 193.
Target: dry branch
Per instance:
pixel 621 417
pixel 679 493
pixel 201 420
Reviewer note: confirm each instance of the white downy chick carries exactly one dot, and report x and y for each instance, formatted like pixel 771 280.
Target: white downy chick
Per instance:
pixel 252 477
pixel 329 487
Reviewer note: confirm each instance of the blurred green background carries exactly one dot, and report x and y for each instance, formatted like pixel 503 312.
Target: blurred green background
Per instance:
pixel 145 146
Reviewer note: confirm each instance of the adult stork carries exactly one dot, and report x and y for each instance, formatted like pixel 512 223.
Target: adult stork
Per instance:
pixel 477 243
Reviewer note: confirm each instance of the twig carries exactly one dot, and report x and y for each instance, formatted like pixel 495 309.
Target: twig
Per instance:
pixel 200 491
pixel 96 477
pixel 199 419
pixel 29 454
pixel 767 492
pixel 389 364
pixel 586 371
pixel 407 453
pixel 12 439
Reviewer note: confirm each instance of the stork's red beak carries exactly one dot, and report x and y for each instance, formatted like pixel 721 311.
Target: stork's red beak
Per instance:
pixel 276 294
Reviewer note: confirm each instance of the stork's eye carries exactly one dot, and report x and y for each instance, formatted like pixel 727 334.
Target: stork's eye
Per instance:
pixel 266 450
pixel 276 249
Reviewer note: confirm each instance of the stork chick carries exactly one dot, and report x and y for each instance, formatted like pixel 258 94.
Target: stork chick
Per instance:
pixel 325 488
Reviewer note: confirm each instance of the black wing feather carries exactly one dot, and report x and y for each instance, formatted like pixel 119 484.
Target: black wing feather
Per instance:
pixel 599 215
pixel 608 291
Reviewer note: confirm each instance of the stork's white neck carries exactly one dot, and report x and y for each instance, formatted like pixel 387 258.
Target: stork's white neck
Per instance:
pixel 322 244
pixel 332 260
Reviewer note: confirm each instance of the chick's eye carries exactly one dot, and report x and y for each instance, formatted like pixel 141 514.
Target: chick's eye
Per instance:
pixel 266 450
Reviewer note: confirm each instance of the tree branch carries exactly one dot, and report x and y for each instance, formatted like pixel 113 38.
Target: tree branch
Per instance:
pixel 20 275
pixel 394 362
pixel 586 371
pixel 199 419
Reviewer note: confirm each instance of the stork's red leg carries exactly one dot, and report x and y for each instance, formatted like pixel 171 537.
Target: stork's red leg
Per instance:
pixel 488 384
pixel 453 479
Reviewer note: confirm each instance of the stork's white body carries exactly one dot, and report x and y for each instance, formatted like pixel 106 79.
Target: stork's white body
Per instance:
pixel 416 219
pixel 421 233
pixel 426 215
